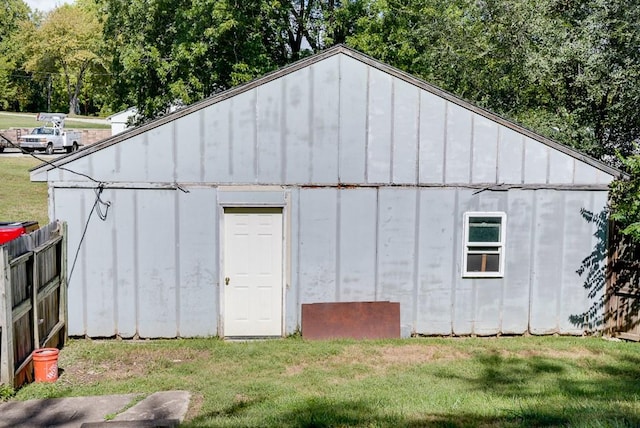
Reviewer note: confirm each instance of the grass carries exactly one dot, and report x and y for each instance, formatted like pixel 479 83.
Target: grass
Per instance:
pixel 20 199
pixel 512 382
pixel 28 120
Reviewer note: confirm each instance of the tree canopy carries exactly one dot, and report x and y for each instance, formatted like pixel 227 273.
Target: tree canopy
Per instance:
pixel 568 70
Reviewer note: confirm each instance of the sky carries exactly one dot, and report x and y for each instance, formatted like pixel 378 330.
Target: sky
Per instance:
pixel 45 5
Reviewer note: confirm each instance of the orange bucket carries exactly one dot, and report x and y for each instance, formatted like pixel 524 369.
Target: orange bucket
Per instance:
pixel 45 364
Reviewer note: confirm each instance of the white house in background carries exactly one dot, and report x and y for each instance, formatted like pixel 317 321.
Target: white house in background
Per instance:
pixel 120 121
pixel 335 179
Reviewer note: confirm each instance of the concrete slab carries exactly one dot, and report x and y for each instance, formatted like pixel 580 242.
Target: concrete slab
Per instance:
pixel 158 410
pixel 62 412
pixel 158 406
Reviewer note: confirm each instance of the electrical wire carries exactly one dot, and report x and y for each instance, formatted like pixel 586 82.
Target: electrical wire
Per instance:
pixel 61 168
pixel 103 216
pixel 98 203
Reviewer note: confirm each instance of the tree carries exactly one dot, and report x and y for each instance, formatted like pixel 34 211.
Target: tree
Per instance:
pixel 625 199
pixel 566 69
pixel 166 52
pixel 182 51
pixel 12 13
pixel 587 62
pixel 67 43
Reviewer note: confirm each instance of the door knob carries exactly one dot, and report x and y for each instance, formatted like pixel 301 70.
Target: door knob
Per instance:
pixel 226 281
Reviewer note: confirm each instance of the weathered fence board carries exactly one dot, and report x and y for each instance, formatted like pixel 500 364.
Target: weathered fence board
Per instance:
pixel 32 299
pixel 622 306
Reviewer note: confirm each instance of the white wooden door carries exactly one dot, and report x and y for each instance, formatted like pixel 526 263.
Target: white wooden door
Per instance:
pixel 252 278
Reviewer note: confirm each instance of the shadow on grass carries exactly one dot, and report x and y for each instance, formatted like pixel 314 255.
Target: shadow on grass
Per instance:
pixel 326 413
pixel 604 395
pixel 540 391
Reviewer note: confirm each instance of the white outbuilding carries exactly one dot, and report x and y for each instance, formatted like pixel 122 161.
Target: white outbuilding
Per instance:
pixel 335 179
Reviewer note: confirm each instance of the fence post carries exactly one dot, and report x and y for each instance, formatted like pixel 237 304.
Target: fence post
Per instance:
pixel 64 310
pixel 7 364
pixel 35 289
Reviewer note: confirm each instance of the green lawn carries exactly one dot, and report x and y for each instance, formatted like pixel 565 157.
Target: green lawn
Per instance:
pixel 28 120
pixel 496 382
pixel 20 199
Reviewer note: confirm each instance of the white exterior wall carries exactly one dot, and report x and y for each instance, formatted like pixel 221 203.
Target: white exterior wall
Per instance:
pixel 152 267
pixel 374 174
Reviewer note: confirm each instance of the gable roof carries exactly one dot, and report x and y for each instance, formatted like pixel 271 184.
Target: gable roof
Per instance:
pixel 335 50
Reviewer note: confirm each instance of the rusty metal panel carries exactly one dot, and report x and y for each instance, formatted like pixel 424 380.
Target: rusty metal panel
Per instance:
pixel 355 320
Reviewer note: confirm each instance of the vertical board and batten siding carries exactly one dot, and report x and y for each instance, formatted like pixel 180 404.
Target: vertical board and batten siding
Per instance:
pixel 310 127
pixel 347 245
pixel 378 173
pixel 147 270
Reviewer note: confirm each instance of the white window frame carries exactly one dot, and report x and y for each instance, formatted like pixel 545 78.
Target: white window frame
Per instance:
pixel 467 247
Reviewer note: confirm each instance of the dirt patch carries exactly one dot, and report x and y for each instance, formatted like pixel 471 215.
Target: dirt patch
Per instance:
pixel 135 363
pixel 417 354
pixel 195 405
pixel 381 358
pixel 575 354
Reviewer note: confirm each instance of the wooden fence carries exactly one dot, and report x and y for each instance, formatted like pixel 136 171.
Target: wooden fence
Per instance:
pixel 33 299
pixel 622 301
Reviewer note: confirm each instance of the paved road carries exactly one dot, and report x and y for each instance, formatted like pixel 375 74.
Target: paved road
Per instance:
pixel 15 153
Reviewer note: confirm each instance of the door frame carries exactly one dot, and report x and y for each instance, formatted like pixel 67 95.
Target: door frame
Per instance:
pixel 235 197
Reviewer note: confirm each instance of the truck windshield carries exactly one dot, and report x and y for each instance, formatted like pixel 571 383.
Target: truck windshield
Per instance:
pixel 43 131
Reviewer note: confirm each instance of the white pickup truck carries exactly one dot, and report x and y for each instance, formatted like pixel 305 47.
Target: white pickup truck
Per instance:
pixel 52 136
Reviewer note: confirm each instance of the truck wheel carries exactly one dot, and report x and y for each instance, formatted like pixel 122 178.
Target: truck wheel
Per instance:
pixel 1 149
pixel 75 147
pixel 49 149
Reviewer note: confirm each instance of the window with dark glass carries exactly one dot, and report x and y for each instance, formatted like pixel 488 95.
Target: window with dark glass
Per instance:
pixel 484 244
